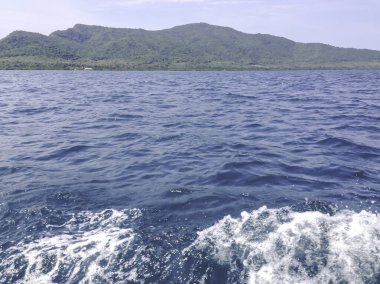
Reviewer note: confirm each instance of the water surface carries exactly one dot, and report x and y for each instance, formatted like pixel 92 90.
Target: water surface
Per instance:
pixel 190 177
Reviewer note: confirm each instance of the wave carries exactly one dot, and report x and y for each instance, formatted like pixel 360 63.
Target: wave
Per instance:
pixel 337 142
pixel 37 110
pixel 64 152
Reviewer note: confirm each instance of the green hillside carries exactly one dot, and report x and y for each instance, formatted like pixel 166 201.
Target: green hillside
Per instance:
pixel 188 47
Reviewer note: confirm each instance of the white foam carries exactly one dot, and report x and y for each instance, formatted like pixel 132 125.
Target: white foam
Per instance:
pixel 82 252
pixel 264 246
pixel 282 246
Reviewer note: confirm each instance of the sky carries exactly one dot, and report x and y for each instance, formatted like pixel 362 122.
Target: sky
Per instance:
pixel 344 23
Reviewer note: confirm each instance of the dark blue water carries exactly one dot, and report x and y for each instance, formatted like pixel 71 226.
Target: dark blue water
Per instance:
pixel 190 177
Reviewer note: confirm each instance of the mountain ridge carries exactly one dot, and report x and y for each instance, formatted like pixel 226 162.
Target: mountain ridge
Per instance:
pixel 196 46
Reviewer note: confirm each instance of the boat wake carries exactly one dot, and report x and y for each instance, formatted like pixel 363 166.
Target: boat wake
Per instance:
pixel 283 246
pixel 264 246
pixel 83 251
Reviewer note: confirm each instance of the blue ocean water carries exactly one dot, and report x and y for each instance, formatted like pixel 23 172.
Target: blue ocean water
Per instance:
pixel 190 177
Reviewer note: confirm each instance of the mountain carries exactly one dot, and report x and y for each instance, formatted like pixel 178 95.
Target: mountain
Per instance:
pixel 188 47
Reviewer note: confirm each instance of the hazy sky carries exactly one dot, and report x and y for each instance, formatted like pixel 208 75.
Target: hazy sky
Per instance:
pixel 346 23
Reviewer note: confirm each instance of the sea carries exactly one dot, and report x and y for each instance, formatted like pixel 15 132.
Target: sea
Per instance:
pixel 190 177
